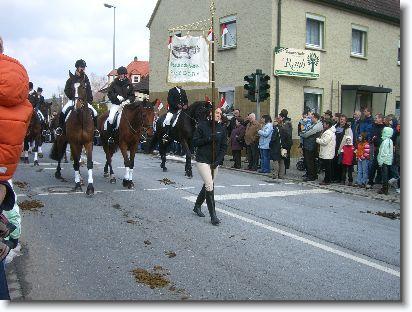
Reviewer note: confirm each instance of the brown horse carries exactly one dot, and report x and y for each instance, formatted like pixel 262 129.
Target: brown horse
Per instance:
pixel 136 118
pixel 33 135
pixel 79 134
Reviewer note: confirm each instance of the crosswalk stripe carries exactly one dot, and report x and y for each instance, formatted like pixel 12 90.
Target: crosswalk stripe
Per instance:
pixel 262 194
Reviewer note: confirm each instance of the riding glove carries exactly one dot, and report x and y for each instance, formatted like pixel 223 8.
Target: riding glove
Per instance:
pixel 4 251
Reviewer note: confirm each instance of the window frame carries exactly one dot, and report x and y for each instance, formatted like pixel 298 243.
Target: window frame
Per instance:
pixel 364 32
pixel 399 52
pixel 138 78
pixel 322 32
pixel 224 90
pixel 317 91
pixel 229 19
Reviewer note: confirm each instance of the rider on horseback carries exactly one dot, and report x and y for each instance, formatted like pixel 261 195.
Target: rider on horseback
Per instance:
pixel 120 93
pixel 177 100
pixel 70 90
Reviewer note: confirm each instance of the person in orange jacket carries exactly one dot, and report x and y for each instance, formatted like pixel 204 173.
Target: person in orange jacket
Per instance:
pixel 15 113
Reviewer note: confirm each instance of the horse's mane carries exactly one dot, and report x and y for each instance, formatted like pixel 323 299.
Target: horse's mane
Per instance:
pixel 195 108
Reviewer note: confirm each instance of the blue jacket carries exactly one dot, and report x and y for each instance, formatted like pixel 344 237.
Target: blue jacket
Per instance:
pixel 265 134
pixel 366 125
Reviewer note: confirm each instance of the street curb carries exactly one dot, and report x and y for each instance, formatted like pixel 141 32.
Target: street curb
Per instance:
pixel 15 290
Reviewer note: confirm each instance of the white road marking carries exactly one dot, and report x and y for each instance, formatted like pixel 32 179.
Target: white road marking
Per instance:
pixel 157 189
pixel 314 244
pixel 302 239
pixel 123 190
pixel 263 194
pixel 288 183
pixel 51 168
pixel 21 195
pixel 219 186
pixel 241 185
pixel 186 188
pixel 261 184
pixel 65 193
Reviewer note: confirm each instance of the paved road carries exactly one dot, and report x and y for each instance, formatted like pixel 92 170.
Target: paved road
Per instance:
pixel 276 241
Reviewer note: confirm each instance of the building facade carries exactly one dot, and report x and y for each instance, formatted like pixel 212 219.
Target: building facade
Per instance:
pixel 358 43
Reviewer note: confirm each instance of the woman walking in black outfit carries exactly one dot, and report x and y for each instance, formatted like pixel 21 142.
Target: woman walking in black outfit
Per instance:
pixel 202 140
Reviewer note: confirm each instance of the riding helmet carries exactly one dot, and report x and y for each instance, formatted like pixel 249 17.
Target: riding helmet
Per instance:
pixel 39 89
pixel 80 63
pixel 30 85
pixel 122 70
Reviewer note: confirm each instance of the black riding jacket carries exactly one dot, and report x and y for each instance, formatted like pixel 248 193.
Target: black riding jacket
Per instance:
pixel 69 88
pixel 174 98
pixel 33 98
pixel 123 88
pixel 202 139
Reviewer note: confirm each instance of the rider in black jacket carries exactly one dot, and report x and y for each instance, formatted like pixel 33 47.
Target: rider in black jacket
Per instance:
pixel 206 164
pixel 120 93
pixel 177 99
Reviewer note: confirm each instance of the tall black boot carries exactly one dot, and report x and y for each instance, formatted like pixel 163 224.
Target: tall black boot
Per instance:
pixel 199 201
pixel 210 201
pixel 110 133
pixel 59 129
pixel 96 131
pixel 166 136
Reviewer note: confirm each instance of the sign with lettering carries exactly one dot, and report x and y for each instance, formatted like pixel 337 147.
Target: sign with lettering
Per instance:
pixel 297 63
pixel 188 60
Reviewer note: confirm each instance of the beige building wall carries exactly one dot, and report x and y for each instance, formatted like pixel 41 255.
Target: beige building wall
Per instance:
pixel 337 67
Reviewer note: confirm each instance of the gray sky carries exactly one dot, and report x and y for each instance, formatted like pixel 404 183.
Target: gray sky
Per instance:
pixel 47 37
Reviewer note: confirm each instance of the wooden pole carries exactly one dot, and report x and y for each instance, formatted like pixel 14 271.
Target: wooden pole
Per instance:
pixel 212 12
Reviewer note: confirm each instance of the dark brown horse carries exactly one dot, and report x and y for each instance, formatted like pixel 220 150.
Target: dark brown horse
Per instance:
pixel 182 132
pixel 79 134
pixel 33 135
pixel 136 118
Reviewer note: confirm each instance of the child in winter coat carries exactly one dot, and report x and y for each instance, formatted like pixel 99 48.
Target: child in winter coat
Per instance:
pixel 362 157
pixel 385 157
pixel 347 160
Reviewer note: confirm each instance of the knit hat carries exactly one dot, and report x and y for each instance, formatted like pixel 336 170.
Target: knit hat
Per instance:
pixel 284 113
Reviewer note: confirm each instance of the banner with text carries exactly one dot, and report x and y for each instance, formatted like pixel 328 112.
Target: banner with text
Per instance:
pixel 297 63
pixel 188 60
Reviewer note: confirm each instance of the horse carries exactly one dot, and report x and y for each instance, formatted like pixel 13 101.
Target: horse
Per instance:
pixel 34 133
pixel 79 133
pixel 182 132
pixel 136 117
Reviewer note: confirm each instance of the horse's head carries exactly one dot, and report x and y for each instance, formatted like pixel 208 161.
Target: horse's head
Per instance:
pixel 80 91
pixel 200 110
pixel 148 116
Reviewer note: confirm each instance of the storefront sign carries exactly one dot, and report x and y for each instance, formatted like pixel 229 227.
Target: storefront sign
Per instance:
pixel 297 63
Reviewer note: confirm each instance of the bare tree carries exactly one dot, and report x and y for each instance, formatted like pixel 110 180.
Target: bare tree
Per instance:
pixel 97 82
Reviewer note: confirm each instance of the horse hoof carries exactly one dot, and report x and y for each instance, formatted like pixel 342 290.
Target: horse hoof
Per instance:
pixel 36 163
pixel 90 189
pixel 131 185
pixel 40 155
pixel 189 175
pixel 113 180
pixel 106 174
pixel 164 169
pixel 58 175
pixel 125 183
pixel 78 187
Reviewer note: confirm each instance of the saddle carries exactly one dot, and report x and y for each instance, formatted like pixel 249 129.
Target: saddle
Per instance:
pixel 70 109
pixel 116 121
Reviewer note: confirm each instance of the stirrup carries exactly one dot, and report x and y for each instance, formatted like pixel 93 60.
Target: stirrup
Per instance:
pixel 96 133
pixel 58 131
pixel 110 140
pixel 165 138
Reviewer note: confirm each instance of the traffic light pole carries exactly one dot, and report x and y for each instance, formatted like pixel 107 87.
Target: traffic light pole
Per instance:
pixel 257 94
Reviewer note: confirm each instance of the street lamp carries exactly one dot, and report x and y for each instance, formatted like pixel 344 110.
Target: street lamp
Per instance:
pixel 114 29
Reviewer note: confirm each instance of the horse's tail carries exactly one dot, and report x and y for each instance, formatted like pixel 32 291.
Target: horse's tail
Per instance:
pixel 153 142
pixel 58 149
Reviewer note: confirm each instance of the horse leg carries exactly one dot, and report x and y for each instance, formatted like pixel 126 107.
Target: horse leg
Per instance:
pixel 162 152
pixel 106 166
pixel 133 149
pixel 123 149
pixel 58 174
pixel 26 150
pixel 188 165
pixel 36 151
pixel 112 177
pixel 39 150
pixel 89 153
pixel 75 151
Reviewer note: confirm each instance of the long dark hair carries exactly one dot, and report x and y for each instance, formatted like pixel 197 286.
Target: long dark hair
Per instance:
pixel 267 118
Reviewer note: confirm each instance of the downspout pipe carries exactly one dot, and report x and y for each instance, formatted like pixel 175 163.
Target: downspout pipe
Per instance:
pixel 278 45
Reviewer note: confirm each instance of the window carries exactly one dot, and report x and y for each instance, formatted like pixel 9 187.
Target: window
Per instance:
pixel 229 38
pixel 399 52
pixel 135 78
pixel 229 95
pixel 313 99
pixel 398 107
pixel 315 31
pixel 359 37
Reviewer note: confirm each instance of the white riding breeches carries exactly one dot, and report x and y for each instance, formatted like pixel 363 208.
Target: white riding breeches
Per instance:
pixel 206 173
pixel 168 118
pixel 113 110
pixel 71 103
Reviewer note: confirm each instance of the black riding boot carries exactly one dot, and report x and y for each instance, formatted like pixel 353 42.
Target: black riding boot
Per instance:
pixel 59 129
pixel 110 133
pixel 96 131
pixel 210 201
pixel 199 201
pixel 166 136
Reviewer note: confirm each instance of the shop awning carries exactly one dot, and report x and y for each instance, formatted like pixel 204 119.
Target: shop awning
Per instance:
pixel 367 88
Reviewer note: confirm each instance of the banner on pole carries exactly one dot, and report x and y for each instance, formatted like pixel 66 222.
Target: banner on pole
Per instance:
pixel 188 60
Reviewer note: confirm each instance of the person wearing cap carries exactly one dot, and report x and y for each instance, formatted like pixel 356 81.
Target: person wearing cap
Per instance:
pixel 120 93
pixel 70 90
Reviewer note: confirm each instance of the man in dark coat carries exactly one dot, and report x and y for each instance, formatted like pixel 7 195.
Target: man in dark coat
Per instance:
pixel 70 90
pixel 177 100
pixel 120 93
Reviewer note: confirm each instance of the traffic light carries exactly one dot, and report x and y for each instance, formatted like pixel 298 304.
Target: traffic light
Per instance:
pixel 264 87
pixel 250 87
